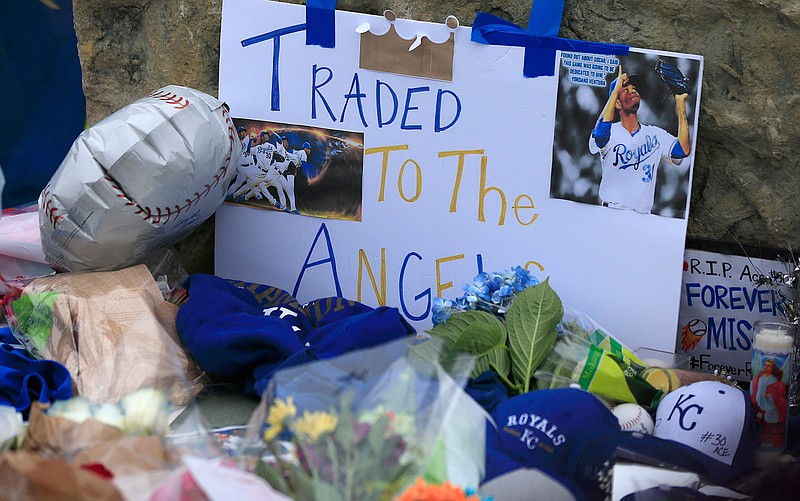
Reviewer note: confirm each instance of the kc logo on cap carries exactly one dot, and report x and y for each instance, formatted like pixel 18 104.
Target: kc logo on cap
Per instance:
pixel 541 428
pixel 713 418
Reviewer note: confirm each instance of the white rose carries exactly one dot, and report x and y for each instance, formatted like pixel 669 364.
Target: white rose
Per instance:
pixel 145 412
pixel 76 409
pixel 109 414
pixel 11 427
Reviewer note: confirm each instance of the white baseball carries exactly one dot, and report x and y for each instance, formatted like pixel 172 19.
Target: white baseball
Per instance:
pixel 138 181
pixel 634 417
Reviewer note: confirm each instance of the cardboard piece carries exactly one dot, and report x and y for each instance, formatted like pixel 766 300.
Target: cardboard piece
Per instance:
pixel 485 172
pixel 419 56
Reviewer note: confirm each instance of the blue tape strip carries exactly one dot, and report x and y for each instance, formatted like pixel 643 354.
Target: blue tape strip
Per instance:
pixel 321 23
pixel 540 49
pixel 545 18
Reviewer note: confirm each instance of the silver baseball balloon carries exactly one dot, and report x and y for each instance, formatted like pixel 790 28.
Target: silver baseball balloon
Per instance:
pixel 138 181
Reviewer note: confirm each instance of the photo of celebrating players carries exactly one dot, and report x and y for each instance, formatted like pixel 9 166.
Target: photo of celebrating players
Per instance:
pixel 297 169
pixel 625 131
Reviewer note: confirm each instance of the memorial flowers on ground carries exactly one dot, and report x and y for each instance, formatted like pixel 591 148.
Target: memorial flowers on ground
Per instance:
pixel 506 319
pixel 337 455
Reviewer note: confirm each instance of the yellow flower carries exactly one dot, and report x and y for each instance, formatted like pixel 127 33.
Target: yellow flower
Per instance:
pixel 314 424
pixel 279 413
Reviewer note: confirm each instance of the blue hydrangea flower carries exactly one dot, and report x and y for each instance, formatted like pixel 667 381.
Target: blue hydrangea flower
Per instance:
pixel 441 310
pixel 504 292
pixel 523 279
pixel 492 292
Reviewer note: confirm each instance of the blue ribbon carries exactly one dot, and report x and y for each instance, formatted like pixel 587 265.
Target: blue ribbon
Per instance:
pixel 540 40
pixel 321 23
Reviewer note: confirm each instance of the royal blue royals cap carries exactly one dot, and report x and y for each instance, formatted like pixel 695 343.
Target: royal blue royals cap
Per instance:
pixel 540 429
pixel 240 129
pixel 715 419
pixel 306 145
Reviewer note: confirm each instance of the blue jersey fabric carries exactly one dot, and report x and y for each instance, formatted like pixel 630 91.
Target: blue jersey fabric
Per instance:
pixel 24 379
pixel 244 331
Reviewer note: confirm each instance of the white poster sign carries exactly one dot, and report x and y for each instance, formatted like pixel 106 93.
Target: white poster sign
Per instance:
pixel 721 300
pixel 415 179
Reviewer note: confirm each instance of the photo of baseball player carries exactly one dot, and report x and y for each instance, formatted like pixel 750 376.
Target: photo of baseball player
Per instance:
pixel 640 138
pixel 253 176
pixel 300 170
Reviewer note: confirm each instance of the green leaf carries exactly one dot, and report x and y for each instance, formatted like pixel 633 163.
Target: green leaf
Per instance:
pixel 272 474
pixel 531 323
pixel 457 322
pixel 478 333
pixel 344 424
pixel 326 491
pixel 375 438
pixel 487 341
pixel 431 350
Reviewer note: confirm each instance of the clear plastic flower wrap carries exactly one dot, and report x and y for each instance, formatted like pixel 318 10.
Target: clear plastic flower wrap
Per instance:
pixel 113 331
pixel 365 425
pixel 588 356
pixel 580 324
pixel 21 253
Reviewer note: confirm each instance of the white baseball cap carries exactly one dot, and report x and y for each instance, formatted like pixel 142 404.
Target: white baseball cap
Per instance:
pixel 714 418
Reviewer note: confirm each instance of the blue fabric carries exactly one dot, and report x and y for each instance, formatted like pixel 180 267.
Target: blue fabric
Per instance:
pixel 224 329
pixel 10 343
pixel 540 429
pixel 246 332
pixel 487 390
pixel 24 380
pixel 349 329
pixel 44 108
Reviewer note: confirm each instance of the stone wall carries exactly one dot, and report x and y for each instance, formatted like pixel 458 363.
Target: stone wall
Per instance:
pixel 746 171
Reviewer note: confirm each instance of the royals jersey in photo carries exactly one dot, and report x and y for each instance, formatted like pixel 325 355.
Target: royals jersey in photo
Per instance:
pixel 630 164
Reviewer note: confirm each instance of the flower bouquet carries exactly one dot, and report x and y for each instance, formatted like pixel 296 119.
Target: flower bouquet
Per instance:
pixel 363 427
pixel 339 455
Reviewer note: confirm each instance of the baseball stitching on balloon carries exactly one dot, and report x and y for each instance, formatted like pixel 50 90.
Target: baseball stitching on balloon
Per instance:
pixel 155 215
pixel 178 102
pixel 50 209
